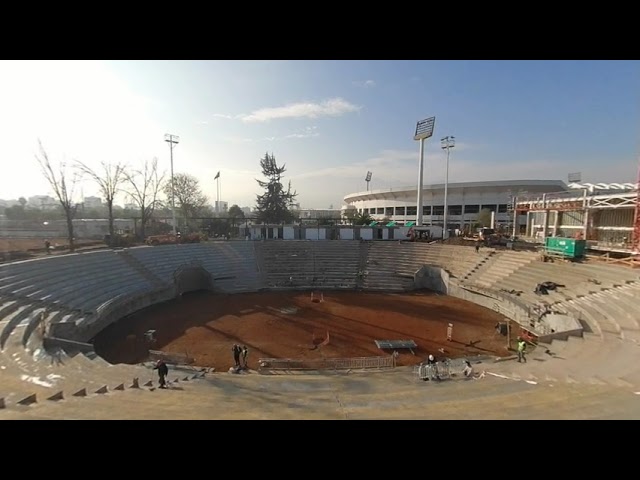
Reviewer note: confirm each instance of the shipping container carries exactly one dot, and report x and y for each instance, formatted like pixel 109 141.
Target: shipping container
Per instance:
pixel 566 247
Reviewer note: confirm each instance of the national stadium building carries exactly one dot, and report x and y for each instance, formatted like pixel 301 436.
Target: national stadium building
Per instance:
pixel 465 201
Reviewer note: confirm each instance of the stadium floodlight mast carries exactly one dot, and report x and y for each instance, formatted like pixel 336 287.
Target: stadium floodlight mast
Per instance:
pixel 574 177
pixel 447 143
pixel 368 179
pixel 172 139
pixel 424 129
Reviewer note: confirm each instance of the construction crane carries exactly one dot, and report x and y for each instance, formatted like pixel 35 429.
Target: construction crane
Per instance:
pixel 635 242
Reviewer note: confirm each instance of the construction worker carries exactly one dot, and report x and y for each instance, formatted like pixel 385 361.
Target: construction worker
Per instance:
pixel 236 349
pixel 468 369
pixel 433 364
pixel 245 352
pixel 522 347
pixel 163 371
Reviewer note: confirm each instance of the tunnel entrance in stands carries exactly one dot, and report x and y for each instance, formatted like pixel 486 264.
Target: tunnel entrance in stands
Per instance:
pixel 190 278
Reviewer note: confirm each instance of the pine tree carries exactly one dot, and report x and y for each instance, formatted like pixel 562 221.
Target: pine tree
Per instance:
pixel 274 206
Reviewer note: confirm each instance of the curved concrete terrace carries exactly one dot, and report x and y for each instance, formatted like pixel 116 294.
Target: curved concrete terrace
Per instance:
pixel 595 376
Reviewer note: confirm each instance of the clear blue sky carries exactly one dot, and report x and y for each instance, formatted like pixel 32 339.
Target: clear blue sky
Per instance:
pixel 328 121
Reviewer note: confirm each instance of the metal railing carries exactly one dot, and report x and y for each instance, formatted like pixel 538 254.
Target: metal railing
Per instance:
pixel 355 363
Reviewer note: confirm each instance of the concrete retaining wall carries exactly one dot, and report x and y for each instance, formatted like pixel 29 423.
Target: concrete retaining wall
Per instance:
pixel 503 306
pixel 87 330
pixel 564 326
pixel 433 278
pixel 67 345
pixel 438 280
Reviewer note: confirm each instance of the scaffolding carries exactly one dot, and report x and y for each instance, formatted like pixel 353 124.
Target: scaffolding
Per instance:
pixel 607 214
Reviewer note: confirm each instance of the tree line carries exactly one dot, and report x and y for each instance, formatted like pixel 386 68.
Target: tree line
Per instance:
pixel 145 184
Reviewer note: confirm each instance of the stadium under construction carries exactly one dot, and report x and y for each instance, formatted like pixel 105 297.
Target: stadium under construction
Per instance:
pixel 607 215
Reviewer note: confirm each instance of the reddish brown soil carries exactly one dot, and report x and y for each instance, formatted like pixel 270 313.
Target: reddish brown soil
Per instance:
pixel 289 325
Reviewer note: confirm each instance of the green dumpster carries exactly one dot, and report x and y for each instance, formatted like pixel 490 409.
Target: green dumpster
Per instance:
pixel 565 247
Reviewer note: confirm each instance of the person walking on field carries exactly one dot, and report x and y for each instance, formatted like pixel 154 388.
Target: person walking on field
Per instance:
pixel 522 347
pixel 245 352
pixel 236 354
pixel 163 371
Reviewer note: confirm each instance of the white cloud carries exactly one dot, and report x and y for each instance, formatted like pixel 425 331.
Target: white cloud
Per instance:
pixel 308 132
pixel 222 115
pixel 333 107
pixel 365 83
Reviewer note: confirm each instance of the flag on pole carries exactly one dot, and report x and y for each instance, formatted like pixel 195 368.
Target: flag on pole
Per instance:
pixel 217 175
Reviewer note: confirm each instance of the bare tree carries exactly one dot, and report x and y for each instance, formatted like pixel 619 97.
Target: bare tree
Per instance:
pixel 144 188
pixel 188 196
pixel 108 183
pixel 61 188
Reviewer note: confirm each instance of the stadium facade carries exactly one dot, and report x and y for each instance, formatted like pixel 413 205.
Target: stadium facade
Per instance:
pixel 465 201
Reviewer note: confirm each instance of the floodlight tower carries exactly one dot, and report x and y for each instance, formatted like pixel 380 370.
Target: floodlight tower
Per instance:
pixel 424 129
pixel 447 144
pixel 368 179
pixel 172 139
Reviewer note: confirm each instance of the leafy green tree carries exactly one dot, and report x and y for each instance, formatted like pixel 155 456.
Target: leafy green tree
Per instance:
pixel 236 212
pixel 361 219
pixel 484 218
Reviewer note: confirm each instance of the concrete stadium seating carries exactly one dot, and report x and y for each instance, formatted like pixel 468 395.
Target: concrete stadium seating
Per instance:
pixel 594 376
pixel 308 264
pixel 232 263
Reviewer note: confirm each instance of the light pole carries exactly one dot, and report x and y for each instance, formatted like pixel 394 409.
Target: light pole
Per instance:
pixel 172 139
pixel 447 144
pixel 424 129
pixel 217 179
pixel 368 179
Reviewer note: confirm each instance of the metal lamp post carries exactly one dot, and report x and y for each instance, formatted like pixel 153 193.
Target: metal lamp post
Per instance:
pixel 447 144
pixel 172 139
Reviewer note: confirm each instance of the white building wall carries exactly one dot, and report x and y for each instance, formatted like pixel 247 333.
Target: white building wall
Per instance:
pixel 482 194
pixel 346 234
pixel 322 234
pixel 401 233
pixel 255 232
pixel 288 233
pixel 311 234
pixel 366 233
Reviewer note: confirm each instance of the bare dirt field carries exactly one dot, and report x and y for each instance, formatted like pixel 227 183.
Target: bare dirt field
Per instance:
pixel 24 244
pixel 23 248
pixel 289 325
